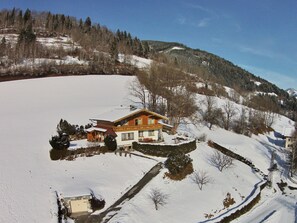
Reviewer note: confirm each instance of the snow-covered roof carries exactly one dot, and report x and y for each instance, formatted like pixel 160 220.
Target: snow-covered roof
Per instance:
pixel 96 129
pixel 121 113
pixel 165 124
pixel 288 132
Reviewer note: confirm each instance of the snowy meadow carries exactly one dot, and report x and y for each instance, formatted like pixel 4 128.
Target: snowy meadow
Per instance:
pixel 30 111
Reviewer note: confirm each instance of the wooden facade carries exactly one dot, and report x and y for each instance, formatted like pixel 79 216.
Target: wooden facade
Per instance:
pixel 139 125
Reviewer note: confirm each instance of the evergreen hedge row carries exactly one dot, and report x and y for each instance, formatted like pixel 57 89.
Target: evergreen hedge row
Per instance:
pixel 164 150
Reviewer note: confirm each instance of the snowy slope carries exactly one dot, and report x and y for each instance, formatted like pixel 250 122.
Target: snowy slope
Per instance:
pixel 292 92
pixel 30 111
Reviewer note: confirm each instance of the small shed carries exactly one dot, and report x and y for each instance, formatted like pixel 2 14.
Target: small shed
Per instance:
pixel 78 205
pixel 288 136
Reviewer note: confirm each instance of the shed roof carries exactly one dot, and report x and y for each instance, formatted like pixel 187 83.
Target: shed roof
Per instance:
pixel 288 132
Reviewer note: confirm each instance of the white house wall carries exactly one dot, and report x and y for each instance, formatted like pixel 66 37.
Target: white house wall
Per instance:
pixel 120 142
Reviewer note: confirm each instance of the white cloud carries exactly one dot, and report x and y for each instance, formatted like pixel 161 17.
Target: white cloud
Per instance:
pixel 181 20
pixel 254 51
pixel 202 23
pixel 203 9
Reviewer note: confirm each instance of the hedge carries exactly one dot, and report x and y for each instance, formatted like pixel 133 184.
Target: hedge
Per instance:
pixel 163 150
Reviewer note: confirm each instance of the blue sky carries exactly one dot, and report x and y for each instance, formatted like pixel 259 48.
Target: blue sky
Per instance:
pixel 258 35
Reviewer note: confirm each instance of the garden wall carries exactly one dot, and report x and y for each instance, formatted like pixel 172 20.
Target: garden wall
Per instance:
pixel 163 150
pixel 256 199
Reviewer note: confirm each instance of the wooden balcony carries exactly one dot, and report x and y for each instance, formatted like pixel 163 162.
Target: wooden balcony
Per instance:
pixel 127 128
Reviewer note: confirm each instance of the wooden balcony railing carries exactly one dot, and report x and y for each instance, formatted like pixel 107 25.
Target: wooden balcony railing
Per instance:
pixel 137 128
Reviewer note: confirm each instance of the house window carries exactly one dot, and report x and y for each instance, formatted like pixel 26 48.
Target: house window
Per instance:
pixel 124 122
pixel 140 134
pixel 138 121
pixel 151 132
pixel 128 136
pixel 151 121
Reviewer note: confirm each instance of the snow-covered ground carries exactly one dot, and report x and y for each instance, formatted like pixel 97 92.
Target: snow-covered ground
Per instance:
pixel 64 42
pixel 30 111
pixel 136 61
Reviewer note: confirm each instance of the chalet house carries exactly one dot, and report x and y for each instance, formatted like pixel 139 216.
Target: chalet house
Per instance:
pixel 127 125
pixel 288 136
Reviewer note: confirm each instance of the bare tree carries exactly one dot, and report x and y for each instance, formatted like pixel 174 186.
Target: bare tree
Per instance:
pixel 138 91
pixel 158 197
pixel 201 178
pixel 230 111
pixel 212 114
pixel 241 123
pixel 221 161
pixel 269 118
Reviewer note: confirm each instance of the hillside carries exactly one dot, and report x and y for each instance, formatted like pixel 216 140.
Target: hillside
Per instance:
pixel 218 69
pixel 30 179
pixel 292 92
pixel 42 44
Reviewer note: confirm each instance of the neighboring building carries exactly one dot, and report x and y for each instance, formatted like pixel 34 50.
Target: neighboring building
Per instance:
pixel 78 205
pixel 288 136
pixel 127 125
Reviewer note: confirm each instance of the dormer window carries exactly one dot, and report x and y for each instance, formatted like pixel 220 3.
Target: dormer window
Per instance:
pixel 151 121
pixel 138 121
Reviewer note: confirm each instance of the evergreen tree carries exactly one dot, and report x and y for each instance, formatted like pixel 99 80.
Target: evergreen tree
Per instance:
pixel 3 47
pixel 27 17
pixel 114 50
pixel 88 24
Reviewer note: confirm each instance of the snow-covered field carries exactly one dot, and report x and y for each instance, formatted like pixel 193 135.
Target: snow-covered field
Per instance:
pixel 30 111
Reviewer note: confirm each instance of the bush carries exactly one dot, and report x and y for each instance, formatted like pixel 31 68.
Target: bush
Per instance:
pixel 96 204
pixel 110 142
pixel 177 162
pixel 65 127
pixel 60 141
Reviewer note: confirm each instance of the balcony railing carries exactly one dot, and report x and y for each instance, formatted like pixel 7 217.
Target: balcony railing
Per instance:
pixel 137 128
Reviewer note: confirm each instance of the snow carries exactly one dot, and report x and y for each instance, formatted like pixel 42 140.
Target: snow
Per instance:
pixel 10 38
pixel 30 112
pixel 266 93
pixel 64 42
pixel 292 92
pixel 288 132
pixel 116 114
pixel 175 48
pixel 258 83
pixel 139 62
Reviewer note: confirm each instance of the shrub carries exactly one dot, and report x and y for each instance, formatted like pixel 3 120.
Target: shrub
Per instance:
pixel 110 142
pixel 177 162
pixel 65 127
pixel 96 204
pixel 60 141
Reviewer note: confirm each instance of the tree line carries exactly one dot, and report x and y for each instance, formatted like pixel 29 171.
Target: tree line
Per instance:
pixel 168 90
pixel 91 42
